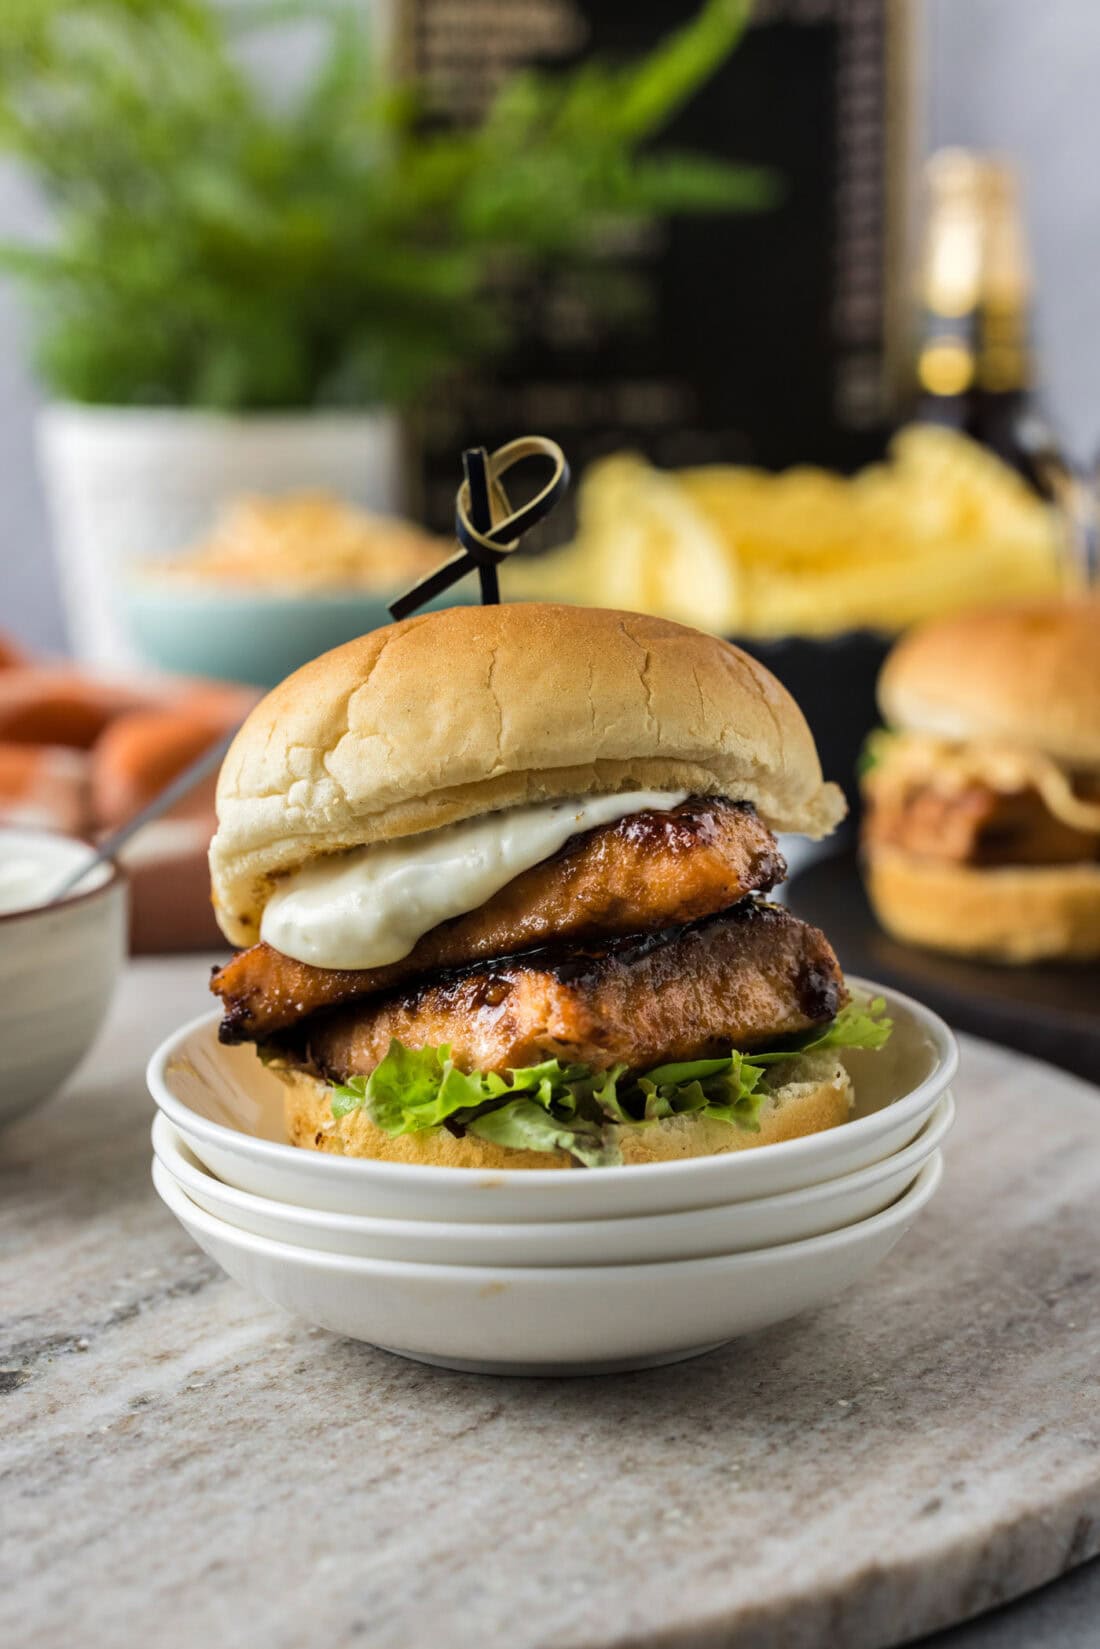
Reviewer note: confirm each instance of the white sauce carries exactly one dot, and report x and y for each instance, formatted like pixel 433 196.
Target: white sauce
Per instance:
pixel 26 882
pixel 369 907
pixel 33 865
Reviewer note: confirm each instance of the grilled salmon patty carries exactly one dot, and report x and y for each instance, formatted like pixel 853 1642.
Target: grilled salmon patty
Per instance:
pixel 979 826
pixel 740 979
pixel 648 870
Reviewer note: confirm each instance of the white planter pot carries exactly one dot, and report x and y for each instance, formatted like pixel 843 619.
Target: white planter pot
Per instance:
pixel 124 483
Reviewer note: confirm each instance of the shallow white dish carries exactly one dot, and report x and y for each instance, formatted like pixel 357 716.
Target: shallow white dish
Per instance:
pixel 730 1228
pixel 552 1320
pixel 229 1109
pixel 58 967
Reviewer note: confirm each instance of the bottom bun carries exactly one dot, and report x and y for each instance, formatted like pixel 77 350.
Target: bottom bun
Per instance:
pixel 817 1095
pixel 1009 914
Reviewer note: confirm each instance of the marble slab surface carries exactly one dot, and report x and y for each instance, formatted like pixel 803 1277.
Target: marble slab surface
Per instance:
pixel 182 1465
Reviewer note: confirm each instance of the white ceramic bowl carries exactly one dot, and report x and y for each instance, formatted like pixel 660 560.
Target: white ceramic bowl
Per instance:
pixel 732 1228
pixel 229 1109
pixel 58 967
pixel 551 1320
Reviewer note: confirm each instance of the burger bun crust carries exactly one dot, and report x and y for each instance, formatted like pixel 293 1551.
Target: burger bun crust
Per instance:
pixel 1026 673
pixel 1012 914
pixel 466 711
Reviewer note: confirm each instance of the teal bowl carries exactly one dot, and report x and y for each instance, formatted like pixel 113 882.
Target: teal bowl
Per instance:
pixel 255 637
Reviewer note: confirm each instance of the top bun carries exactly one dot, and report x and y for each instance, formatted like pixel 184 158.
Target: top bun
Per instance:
pixel 472 709
pixel 1028 674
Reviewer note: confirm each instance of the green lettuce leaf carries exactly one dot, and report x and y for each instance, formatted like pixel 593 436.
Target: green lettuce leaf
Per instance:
pixel 527 1126
pixel 551 1106
pixel 725 1089
pixel 412 1089
pixel 876 748
pixel 861 1023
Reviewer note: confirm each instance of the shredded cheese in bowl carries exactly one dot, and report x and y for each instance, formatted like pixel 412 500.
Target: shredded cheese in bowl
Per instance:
pixel 304 541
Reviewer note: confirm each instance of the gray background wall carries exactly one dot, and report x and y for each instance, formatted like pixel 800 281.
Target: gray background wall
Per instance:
pixel 1011 75
pixel 1024 78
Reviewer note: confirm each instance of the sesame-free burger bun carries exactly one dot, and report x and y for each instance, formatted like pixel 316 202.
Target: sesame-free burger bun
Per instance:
pixel 465 711
pixel 818 1096
pixel 1028 673
pixel 1007 913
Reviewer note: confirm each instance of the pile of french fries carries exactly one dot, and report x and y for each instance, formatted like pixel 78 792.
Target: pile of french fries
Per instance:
pixel 940 524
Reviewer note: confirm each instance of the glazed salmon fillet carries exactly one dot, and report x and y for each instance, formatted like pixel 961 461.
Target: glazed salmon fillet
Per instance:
pixel 742 978
pixel 648 870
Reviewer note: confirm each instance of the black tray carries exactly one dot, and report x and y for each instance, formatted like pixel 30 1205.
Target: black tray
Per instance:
pixel 1051 1012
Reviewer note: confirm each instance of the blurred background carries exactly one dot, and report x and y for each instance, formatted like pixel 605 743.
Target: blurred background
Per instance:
pixel 805 290
pixel 997 75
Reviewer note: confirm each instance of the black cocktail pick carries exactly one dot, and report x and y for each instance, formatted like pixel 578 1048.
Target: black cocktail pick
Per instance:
pixel 486 526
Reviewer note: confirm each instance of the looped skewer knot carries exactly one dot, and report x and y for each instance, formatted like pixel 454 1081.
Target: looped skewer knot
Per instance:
pixel 486 526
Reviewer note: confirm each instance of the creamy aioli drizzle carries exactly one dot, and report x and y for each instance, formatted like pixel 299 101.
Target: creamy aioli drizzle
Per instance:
pixel 369 907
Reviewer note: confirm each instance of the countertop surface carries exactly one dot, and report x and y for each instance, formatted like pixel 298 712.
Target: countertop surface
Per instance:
pixel 181 1464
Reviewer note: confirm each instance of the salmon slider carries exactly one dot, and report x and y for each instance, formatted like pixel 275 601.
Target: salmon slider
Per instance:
pixel 498 877
pixel 982 817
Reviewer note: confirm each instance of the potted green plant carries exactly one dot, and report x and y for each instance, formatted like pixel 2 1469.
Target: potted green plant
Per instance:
pixel 245 287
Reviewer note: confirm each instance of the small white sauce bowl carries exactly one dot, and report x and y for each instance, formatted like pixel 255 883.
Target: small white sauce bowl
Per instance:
pixel 58 967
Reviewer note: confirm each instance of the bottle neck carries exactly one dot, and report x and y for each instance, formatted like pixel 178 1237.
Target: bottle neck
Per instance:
pixel 950 282
pixel 947 368
pixel 974 368
pixel 947 360
pixel 1004 365
pixel 1004 355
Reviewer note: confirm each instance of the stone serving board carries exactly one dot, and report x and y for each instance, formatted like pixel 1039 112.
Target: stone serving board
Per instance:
pixel 181 1464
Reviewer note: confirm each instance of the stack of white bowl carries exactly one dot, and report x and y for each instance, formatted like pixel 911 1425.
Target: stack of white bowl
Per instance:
pixel 543 1271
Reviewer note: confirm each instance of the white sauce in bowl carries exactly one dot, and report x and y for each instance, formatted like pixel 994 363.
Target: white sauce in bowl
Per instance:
pixel 33 866
pixel 369 907
pixel 24 883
